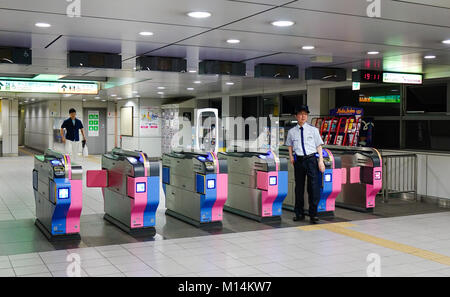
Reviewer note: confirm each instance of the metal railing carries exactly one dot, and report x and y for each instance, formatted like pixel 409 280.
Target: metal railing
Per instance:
pixel 399 175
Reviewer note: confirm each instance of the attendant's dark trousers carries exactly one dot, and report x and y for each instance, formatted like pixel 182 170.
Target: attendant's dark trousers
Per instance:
pixel 307 168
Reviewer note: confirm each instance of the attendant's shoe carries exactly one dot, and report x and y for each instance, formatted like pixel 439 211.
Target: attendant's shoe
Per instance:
pixel 314 220
pixel 298 218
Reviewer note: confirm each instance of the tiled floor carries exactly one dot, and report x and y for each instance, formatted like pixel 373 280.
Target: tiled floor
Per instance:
pixel 241 248
pixel 274 252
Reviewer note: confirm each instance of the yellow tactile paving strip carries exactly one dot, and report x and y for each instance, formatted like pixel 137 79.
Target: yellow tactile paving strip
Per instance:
pixel 341 228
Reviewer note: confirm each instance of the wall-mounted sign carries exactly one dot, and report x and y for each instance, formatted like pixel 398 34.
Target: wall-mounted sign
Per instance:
pixel 94 123
pixel 402 78
pixel 75 88
pixel 347 111
pixel 380 99
pixel 356 86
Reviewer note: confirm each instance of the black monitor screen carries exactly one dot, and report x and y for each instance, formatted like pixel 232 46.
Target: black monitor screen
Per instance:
pixel 427 98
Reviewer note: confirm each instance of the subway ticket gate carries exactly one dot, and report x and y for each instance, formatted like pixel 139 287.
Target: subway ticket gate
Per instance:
pixel 258 184
pixel 331 184
pixel 196 187
pixel 130 185
pixel 58 194
pixel 362 174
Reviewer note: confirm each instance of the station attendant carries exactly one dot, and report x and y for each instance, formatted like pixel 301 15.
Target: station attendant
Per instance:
pixel 71 137
pixel 304 142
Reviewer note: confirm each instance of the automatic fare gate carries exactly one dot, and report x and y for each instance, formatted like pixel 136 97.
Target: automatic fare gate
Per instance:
pixel 130 183
pixel 331 184
pixel 196 187
pixel 258 184
pixel 58 193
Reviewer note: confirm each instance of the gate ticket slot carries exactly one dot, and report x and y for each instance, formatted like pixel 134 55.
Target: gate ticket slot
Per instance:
pixel 361 177
pixel 196 187
pixel 58 193
pixel 130 185
pixel 331 184
pixel 258 184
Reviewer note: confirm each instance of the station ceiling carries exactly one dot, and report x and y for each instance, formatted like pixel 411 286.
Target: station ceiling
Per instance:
pixel 340 30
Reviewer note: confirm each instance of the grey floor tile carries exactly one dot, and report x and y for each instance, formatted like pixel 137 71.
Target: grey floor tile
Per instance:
pixel 102 270
pixel 128 267
pixel 30 270
pixel 63 273
pixel 5 264
pixel 143 273
pixel 270 267
pixel 27 262
pixel 8 272
pixel 244 271
pixel 43 274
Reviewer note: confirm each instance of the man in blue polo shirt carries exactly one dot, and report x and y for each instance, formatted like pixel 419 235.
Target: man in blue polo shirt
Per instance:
pixel 71 138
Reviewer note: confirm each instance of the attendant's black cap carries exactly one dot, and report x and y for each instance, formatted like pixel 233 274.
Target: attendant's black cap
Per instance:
pixel 302 108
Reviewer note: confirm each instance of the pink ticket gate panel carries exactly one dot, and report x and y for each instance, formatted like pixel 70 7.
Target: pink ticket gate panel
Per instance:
pixel 130 183
pixel 58 192
pixel 362 172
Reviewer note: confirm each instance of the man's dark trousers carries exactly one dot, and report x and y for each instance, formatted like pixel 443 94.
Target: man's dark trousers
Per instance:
pixel 307 168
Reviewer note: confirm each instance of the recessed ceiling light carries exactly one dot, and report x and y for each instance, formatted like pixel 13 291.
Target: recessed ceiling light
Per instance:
pixel 230 83
pixel 233 41
pixel 197 82
pixel 84 100
pixel 283 23
pixel 192 71
pixel 146 33
pixel 373 53
pixel 446 41
pixel 199 14
pixel 429 57
pixel 103 100
pixel 33 99
pixel 190 89
pixel 113 95
pixel 354 70
pixel 119 98
pixel 160 93
pixel 161 88
pixel 308 47
pixel 135 92
pixel 97 97
pixel 43 25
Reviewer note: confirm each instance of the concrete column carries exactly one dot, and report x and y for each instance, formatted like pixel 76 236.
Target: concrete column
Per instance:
pixel 10 127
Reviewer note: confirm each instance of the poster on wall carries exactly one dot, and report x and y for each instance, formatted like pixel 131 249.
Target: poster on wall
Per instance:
pixel 150 121
pixel 94 123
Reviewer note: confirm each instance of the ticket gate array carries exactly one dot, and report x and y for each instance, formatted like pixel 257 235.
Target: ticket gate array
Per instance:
pixel 58 188
pixel 196 187
pixel 362 174
pixel 258 184
pixel 130 185
pixel 331 184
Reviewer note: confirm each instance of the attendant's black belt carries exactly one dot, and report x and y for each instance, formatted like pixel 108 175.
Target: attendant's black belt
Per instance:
pixel 304 158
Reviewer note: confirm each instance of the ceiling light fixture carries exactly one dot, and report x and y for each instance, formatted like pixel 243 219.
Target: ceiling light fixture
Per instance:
pixel 197 82
pixel 282 23
pixel 97 97
pixel 146 33
pixel 192 71
pixel 430 57
pixel 199 14
pixel 160 93
pixel 161 88
pixel 230 83
pixel 233 41
pixel 373 53
pixel 308 47
pixel 446 41
pixel 113 95
pixel 43 25
pixel 190 89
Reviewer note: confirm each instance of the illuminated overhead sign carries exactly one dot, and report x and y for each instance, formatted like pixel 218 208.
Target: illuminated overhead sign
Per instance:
pixel 375 76
pixel 75 88
pixel 402 78
pixel 380 99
